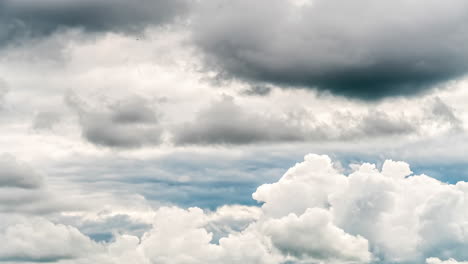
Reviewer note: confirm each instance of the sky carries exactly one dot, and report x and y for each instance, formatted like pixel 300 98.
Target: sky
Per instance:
pixel 233 131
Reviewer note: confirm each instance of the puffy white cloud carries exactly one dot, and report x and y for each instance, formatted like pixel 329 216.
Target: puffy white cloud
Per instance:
pixel 38 240
pixel 303 186
pixel 312 237
pixel 403 218
pixel 178 237
pixel 313 214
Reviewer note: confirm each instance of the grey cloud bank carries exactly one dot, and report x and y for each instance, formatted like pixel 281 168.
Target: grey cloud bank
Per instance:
pixel 28 18
pixel 226 122
pixel 361 49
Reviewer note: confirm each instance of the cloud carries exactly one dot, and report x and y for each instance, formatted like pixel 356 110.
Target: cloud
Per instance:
pixel 404 218
pixel 127 123
pixel 312 237
pixel 439 261
pixel 260 90
pixel 409 47
pixel 27 18
pixel 227 122
pixel 24 190
pixel 313 214
pixel 14 173
pixel 4 89
pixel 444 112
pixel 46 120
pixel 39 240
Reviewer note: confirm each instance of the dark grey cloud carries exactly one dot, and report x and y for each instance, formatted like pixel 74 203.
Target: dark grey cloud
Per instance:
pixel 362 49
pixel 374 124
pixel 29 18
pixel 14 173
pixel 225 122
pixel 129 123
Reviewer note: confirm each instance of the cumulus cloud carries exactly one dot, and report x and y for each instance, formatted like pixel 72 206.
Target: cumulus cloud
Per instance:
pixel 39 240
pixel 312 237
pixel 407 48
pixel 130 122
pixel 404 218
pixel 313 214
pixel 26 18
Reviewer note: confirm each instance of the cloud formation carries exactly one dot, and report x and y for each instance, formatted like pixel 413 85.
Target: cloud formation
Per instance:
pixel 313 214
pixel 128 123
pixel 362 49
pixel 39 240
pixel 28 18
pixel 227 122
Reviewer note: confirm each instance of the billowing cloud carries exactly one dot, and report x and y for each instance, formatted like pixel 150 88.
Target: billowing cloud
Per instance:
pixel 39 240
pixel 313 214
pixel 27 18
pixel 404 218
pixel 312 237
pixel 131 122
pixel 363 49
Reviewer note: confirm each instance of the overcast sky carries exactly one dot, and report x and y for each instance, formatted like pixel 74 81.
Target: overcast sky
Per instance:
pixel 233 131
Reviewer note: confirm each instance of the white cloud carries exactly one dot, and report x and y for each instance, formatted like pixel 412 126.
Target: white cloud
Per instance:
pixel 40 240
pixel 313 214
pixel 312 237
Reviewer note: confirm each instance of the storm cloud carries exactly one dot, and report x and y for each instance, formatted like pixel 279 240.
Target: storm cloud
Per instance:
pixel 361 49
pixel 29 18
